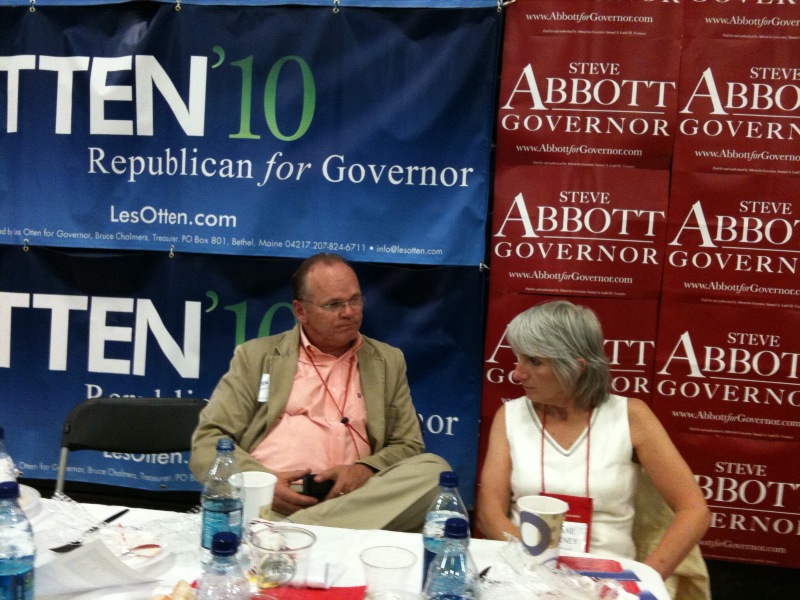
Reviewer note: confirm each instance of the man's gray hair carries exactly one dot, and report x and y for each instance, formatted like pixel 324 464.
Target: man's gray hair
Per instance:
pixel 564 332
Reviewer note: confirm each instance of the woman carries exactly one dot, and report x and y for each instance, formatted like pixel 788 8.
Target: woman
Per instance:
pixel 569 436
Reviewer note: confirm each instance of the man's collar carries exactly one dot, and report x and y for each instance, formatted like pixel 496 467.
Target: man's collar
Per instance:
pixel 313 351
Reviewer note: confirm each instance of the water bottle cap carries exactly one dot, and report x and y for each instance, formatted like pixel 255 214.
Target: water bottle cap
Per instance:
pixel 9 489
pixel 448 479
pixel 224 443
pixel 224 543
pixel 456 528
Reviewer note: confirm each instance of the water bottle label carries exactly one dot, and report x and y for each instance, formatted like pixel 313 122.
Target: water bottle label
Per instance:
pixel 7 470
pixel 216 521
pixel 433 536
pixel 17 586
pixel 434 522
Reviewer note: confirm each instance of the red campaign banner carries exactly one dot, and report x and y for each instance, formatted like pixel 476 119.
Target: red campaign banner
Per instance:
pixel 728 370
pixel 589 83
pixel 597 18
pixel 739 107
pixel 733 239
pixel 578 231
pixel 629 329
pixel 742 19
pixel 753 491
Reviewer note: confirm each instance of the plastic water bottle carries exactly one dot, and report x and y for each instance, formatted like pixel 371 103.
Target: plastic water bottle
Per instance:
pixel 446 505
pixel 223 578
pixel 222 499
pixel 452 574
pixel 8 471
pixel 17 548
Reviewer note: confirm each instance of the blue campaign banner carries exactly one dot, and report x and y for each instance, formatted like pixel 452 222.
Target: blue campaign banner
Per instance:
pixel 333 4
pixel 253 130
pixel 84 323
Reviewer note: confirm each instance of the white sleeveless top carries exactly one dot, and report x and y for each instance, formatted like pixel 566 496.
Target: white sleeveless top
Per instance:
pixel 612 473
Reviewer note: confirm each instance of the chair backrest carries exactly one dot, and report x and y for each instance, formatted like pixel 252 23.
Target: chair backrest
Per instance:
pixel 690 581
pixel 134 425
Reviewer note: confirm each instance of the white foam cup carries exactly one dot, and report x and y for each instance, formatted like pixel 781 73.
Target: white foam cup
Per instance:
pixel 259 487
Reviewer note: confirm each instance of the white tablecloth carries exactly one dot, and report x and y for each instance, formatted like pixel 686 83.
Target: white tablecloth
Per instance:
pixel 181 559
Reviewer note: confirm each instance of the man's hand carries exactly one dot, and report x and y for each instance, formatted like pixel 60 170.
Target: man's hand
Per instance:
pixel 285 500
pixel 346 477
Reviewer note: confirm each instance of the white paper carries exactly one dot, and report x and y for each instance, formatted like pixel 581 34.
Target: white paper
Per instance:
pixel 92 566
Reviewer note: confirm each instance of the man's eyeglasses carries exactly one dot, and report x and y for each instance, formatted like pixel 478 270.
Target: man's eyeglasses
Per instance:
pixel 354 303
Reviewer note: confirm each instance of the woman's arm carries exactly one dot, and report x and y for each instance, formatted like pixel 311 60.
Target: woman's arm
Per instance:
pixel 674 480
pixel 494 489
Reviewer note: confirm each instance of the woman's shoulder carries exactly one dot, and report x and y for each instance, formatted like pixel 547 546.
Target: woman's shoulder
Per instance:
pixel 514 405
pixel 638 412
pixel 644 423
pixel 614 404
pixel 638 407
pixel 517 401
pixel 626 403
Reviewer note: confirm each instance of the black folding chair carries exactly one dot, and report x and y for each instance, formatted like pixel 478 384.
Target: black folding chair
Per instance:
pixel 128 425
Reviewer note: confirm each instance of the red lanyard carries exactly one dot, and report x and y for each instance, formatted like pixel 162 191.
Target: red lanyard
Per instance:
pixel 344 421
pixel 588 448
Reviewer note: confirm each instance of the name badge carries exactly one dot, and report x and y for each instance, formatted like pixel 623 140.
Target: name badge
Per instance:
pixel 574 536
pixel 576 532
pixel 263 390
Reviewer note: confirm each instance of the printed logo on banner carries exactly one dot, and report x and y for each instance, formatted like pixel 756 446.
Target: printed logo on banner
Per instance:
pixel 739 107
pixel 223 144
pixel 727 357
pixel 753 492
pixel 743 19
pixel 734 240
pixel 728 370
pixel 589 83
pixel 585 231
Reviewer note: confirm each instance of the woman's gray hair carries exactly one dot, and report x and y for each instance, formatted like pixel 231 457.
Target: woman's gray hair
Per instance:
pixel 564 332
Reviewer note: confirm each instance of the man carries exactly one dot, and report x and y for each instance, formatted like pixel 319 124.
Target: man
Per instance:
pixel 322 398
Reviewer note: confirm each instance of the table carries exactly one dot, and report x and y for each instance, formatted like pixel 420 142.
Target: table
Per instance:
pixel 340 547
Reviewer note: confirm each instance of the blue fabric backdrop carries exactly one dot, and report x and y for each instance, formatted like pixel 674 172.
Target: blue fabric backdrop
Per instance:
pixel 259 130
pixel 76 324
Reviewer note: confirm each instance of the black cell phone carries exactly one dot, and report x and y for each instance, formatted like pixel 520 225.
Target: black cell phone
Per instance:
pixel 316 489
